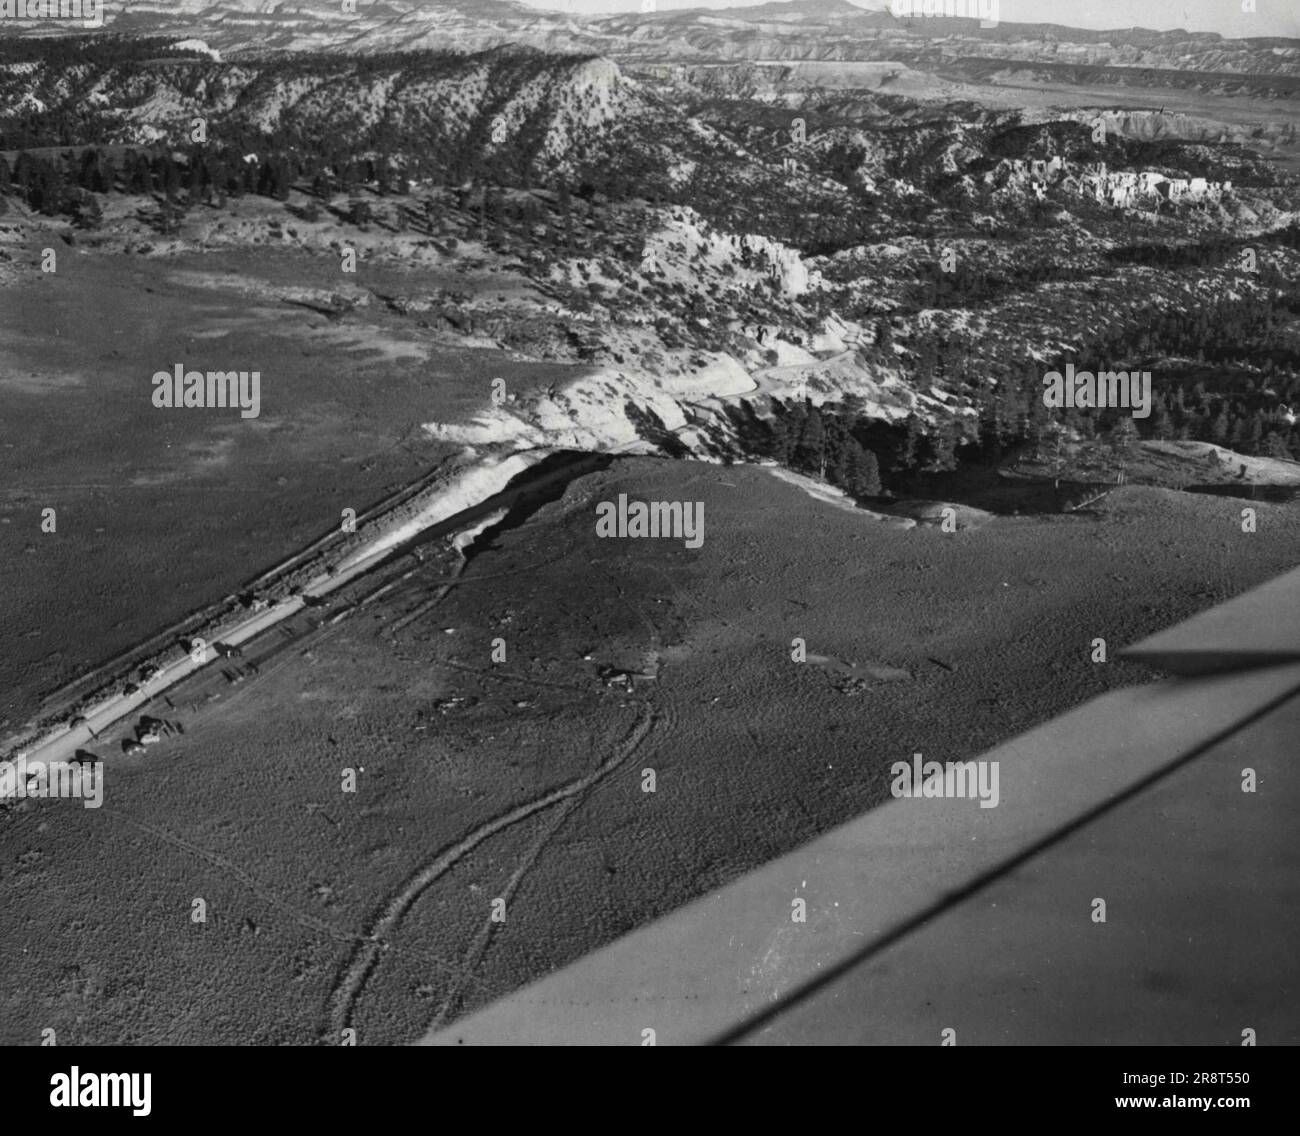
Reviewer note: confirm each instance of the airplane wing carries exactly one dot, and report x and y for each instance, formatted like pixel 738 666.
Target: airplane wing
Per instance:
pixel 1134 884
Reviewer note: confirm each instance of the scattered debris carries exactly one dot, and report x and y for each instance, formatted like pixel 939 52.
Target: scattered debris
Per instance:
pixel 150 731
pixel 623 679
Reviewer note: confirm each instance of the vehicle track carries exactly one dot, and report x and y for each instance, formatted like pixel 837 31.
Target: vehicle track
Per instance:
pixel 357 970
pixel 483 939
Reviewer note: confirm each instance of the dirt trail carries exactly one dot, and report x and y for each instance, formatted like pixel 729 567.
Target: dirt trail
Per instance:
pixel 354 975
pixel 483 938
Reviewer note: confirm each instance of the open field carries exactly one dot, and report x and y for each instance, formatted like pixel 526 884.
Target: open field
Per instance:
pixel 160 511
pixel 522 779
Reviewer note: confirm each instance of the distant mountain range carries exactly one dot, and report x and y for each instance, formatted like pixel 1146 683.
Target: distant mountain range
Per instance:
pixel 801 30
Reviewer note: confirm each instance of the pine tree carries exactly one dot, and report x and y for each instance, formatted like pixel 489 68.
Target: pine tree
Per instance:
pixel 283 180
pixel 991 433
pixel 1255 432
pixel 861 472
pixel 1161 427
pixel 842 469
pixel 836 435
pixel 795 417
pixel 942 449
pixel 908 455
pixel 869 485
pixel 564 201
pixel 169 177
pixel 778 445
pixel 1123 435
pixel 87 212
pixel 141 175
pixel 1038 421
pixel 1275 446
pixel 811 451
pixel 927 359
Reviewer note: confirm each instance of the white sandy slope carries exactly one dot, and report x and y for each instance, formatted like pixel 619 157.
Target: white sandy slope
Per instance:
pixel 687 246
pixel 597 412
pixel 884 394
pixel 471 486
pixel 605 411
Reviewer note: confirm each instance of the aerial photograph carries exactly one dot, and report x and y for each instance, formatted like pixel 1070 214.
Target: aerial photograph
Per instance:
pixel 639 522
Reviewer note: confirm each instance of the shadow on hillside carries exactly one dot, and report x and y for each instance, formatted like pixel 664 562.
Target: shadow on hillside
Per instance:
pixel 653 429
pixel 1007 495
pixel 540 484
pixel 1273 494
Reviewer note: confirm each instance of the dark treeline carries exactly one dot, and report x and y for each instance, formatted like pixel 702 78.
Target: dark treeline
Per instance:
pixel 1248 332
pixel 207 174
pixel 1210 253
pixel 65 183
pixel 1240 406
pixel 966 286
pixel 1221 373
pixel 868 457
pixel 99 50
pixel 1203 254
pixel 828 442
pixel 55 183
